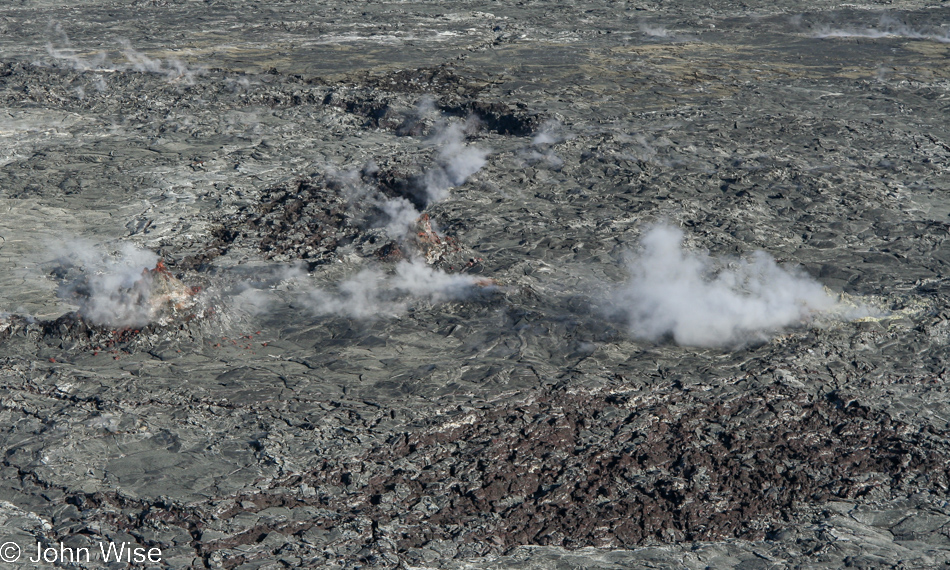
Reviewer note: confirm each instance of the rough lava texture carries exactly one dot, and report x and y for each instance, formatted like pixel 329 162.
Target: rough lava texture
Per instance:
pixel 575 470
pixel 410 222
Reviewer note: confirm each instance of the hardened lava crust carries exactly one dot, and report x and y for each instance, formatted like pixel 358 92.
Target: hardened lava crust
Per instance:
pixel 476 285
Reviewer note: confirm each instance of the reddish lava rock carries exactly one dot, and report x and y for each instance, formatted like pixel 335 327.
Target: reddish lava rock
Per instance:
pixel 577 470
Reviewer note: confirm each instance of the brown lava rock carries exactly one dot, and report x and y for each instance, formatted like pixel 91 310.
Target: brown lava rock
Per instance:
pixel 312 218
pixel 307 220
pixel 577 470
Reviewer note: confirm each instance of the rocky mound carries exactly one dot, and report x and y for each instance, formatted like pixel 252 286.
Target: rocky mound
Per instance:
pixel 156 302
pixel 576 470
pixel 313 218
pixel 571 470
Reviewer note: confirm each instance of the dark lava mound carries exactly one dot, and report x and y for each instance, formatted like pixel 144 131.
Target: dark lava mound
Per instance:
pixel 578 470
pixel 308 220
pixel 311 219
pixel 453 91
pixel 157 303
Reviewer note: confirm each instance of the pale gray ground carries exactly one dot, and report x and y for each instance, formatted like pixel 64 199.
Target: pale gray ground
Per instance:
pixel 738 124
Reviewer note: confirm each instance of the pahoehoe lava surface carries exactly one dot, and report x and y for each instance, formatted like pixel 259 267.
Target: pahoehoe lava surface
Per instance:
pixel 493 166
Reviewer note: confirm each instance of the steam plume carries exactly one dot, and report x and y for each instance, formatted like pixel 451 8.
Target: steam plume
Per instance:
pixel 255 296
pixel 172 69
pixel 128 288
pixel 455 163
pixel 371 293
pixel 550 133
pixel 110 290
pixel 67 54
pixel 675 292
pixel 655 31
pixel 400 215
pixel 888 27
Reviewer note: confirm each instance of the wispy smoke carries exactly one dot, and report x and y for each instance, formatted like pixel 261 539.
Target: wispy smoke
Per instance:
pixel 417 121
pixel 119 290
pixel 642 151
pixel 695 300
pixel 237 84
pixel 357 297
pixel 549 134
pixel 172 68
pixel 110 290
pixel 888 27
pixel 68 55
pixel 654 31
pixel 254 295
pixel 455 163
pixel 660 32
pixel 371 293
pixel 400 216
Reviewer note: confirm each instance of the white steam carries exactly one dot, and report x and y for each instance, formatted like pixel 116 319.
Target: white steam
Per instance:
pixel 126 288
pixel 371 293
pixel 551 132
pixel 654 31
pixel 674 292
pixel 173 69
pixel 255 296
pixel 888 27
pixel 70 59
pixel 110 290
pixel 659 31
pixel 400 216
pixel 455 163
pixel 68 56
pixel 358 297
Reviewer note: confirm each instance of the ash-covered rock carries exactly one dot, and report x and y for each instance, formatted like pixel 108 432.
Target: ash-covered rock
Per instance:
pixel 380 111
pixel 499 117
pixel 443 78
pixel 568 469
pixel 308 220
